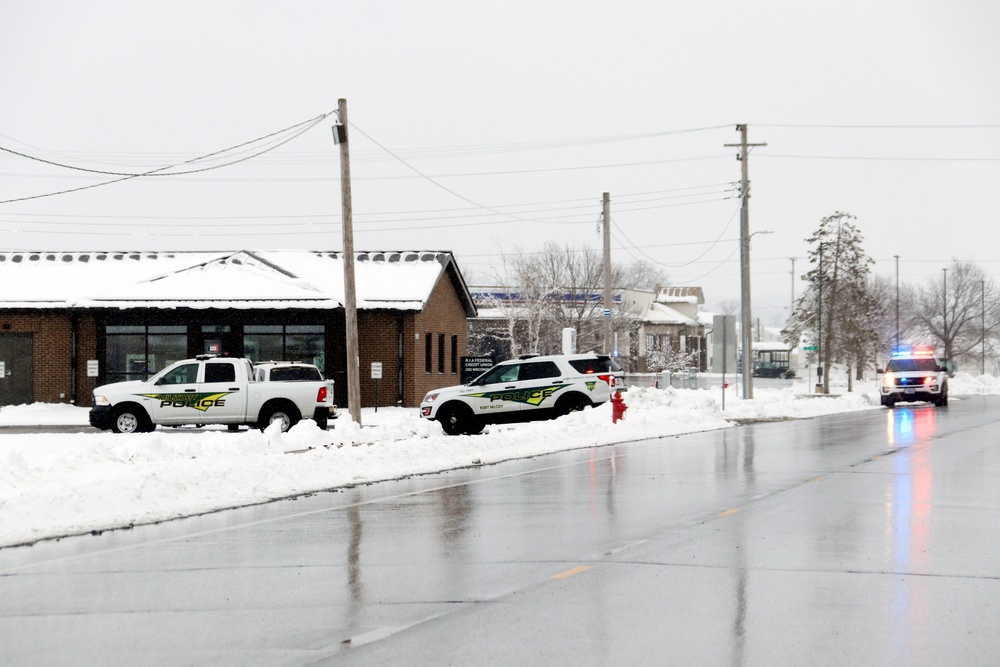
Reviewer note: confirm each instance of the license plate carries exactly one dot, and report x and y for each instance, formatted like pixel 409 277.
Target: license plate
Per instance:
pixel 910 391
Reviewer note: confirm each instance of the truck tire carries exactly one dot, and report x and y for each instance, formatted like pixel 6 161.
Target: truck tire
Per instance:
pixel 130 418
pixel 279 411
pixel 456 419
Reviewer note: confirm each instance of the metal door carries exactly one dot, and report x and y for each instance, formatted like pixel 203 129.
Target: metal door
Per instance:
pixel 17 384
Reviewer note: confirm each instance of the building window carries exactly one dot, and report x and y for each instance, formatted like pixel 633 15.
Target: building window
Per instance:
pixel 285 342
pixel 136 352
pixel 428 342
pixel 441 353
pixel 454 355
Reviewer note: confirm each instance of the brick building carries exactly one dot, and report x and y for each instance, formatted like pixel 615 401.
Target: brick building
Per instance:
pixel 135 313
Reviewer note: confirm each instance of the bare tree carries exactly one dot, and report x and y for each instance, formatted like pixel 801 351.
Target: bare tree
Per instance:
pixel 562 287
pixel 669 359
pixel 961 317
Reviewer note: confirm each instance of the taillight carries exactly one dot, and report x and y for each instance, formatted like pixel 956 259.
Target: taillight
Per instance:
pixel 321 395
pixel 610 379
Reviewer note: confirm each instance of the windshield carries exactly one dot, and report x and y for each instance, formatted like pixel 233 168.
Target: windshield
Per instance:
pixel 922 364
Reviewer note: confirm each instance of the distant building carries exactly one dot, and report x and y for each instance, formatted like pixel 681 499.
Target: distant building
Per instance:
pixel 671 325
pixel 134 313
pixel 664 320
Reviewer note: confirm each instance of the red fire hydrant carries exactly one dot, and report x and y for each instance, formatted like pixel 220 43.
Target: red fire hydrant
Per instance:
pixel 618 407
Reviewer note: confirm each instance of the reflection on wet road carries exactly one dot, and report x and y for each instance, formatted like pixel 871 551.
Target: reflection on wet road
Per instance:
pixel 862 538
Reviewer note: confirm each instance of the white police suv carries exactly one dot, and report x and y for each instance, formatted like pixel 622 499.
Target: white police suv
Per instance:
pixel 914 374
pixel 525 389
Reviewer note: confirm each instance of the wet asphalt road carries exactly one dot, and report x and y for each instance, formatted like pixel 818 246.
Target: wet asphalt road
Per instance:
pixel 857 539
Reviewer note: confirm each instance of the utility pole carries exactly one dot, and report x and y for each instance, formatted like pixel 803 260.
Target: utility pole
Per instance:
pixel 350 292
pixel 944 324
pixel 607 273
pixel 982 337
pixel 791 308
pixel 820 380
pixel 746 325
pixel 897 300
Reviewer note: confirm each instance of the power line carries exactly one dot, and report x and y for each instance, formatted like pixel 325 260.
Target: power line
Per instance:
pixel 878 127
pixel 306 125
pixel 424 152
pixel 882 158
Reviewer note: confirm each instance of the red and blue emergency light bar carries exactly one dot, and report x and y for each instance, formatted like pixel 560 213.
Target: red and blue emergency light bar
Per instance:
pixel 912 351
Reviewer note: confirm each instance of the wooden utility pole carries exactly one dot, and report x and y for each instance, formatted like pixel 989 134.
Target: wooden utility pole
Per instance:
pixel 607 273
pixel 350 294
pixel 746 320
pixel 791 309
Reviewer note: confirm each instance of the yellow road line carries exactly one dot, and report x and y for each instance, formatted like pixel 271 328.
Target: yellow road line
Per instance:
pixel 729 512
pixel 569 573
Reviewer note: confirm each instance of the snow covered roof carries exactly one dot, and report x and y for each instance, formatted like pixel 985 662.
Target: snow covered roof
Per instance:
pixel 680 295
pixel 269 279
pixel 658 313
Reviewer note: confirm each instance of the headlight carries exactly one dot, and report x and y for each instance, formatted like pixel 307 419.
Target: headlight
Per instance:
pixel 101 400
pixel 887 380
pixel 430 398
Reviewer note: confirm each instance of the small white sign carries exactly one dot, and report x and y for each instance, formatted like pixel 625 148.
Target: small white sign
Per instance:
pixel 93 368
pixel 3 369
pixel 376 370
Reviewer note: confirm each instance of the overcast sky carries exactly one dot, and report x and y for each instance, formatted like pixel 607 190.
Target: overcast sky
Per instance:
pixel 489 128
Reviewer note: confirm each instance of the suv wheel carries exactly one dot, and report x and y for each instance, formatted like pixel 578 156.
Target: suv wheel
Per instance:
pixel 942 398
pixel 888 402
pixel 571 403
pixel 457 419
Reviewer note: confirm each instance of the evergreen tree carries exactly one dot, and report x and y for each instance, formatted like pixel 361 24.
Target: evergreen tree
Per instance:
pixel 838 310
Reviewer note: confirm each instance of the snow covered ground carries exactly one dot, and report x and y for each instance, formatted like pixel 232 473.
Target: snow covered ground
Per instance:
pixel 58 484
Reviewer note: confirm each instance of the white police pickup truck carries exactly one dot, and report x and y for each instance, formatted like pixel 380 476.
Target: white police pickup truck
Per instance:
pixel 216 390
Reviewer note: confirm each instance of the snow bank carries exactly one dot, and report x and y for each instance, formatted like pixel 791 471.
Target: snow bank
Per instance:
pixel 57 484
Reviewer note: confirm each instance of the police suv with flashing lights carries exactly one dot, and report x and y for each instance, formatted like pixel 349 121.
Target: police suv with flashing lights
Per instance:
pixel 914 374
pixel 525 389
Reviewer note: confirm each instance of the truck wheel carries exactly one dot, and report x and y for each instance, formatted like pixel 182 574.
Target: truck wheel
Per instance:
pixel 456 419
pixel 131 419
pixel 287 414
pixel 571 403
